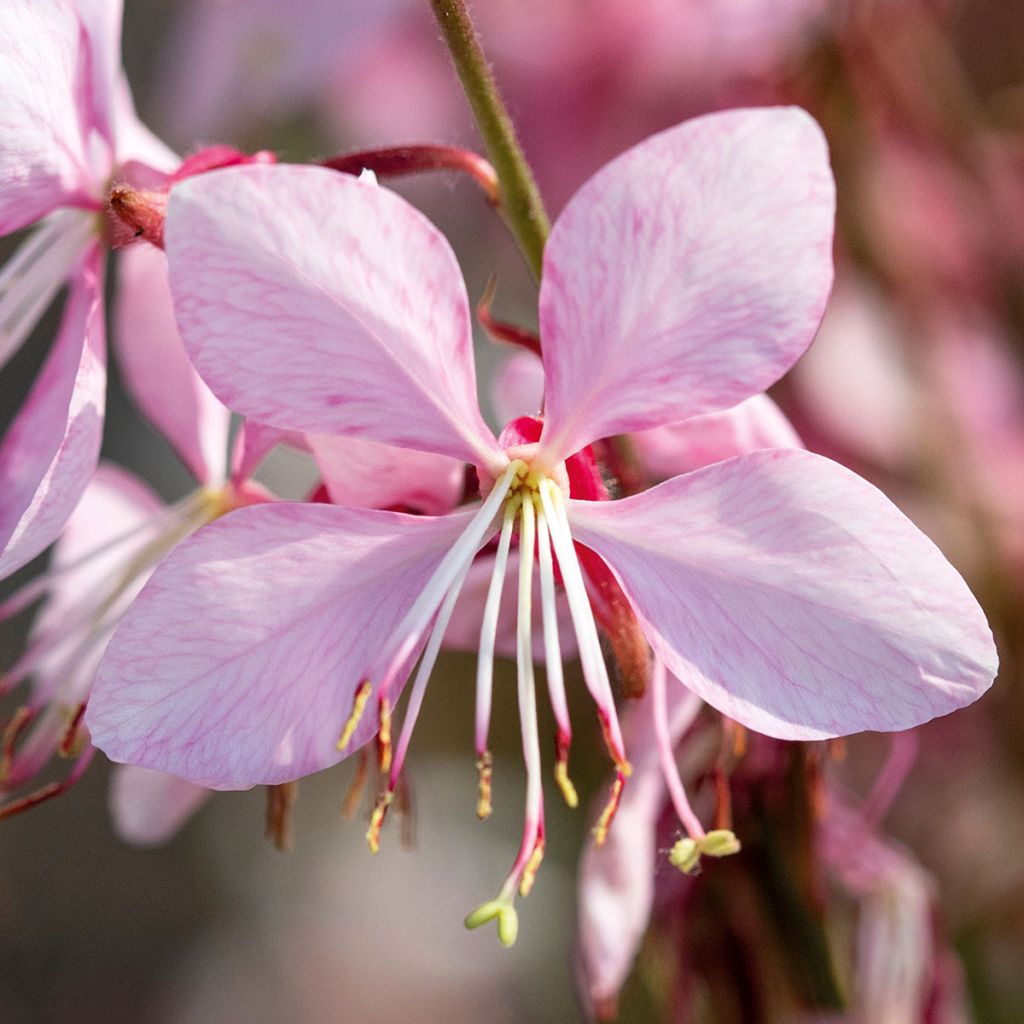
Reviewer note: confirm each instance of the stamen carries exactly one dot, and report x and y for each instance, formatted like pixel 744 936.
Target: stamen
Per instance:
pixel 530 871
pixel 484 771
pixel 377 820
pixel 595 672
pixel 358 707
pixel 604 822
pixel 384 737
pixel 666 754
pixel 278 827
pixel 553 663
pixel 488 633
pixel 459 556
pixel 426 667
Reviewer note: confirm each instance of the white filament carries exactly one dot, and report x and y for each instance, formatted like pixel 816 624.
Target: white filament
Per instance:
pixel 552 648
pixel 488 633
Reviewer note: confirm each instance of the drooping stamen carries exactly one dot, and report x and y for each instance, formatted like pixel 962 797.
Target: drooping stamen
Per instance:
pixel 31 278
pixel 358 707
pixel 50 790
pixel 604 822
pixel 902 755
pixel 426 667
pixel 278 823
pixel 485 661
pixel 553 664
pixel 458 557
pixel 666 754
pixel 595 672
pixel 532 866
pixel 380 810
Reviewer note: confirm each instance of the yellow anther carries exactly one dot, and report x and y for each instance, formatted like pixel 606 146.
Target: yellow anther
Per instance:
pixel 608 814
pixel 685 855
pixel 484 774
pixel 384 737
pixel 358 707
pixel 377 820
pixel 530 871
pixel 565 783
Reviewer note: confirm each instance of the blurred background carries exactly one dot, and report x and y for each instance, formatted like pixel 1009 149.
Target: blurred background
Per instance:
pixel 915 381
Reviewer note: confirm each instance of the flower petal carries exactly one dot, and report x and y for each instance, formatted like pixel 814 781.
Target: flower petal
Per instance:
pixel 157 370
pixel 44 90
pixel 149 807
pixel 794 597
pixel 683 447
pixel 239 661
pixel 616 887
pixel 371 475
pixel 50 450
pixel 315 302
pixel 688 274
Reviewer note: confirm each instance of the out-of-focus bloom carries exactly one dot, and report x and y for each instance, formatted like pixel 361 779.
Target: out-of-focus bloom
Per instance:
pixel 686 276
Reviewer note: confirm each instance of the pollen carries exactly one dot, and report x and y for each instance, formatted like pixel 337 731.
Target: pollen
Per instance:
pixel 484 774
pixel 608 814
pixel 358 707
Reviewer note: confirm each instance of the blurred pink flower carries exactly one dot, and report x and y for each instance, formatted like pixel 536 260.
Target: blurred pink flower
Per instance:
pixel 686 276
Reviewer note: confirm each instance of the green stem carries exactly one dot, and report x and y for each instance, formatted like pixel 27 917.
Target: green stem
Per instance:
pixel 521 204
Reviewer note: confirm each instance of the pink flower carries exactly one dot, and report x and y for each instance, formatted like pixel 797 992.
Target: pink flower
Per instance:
pixel 686 276
pixel 66 126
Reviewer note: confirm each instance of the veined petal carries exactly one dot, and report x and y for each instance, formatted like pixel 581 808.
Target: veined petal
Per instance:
pixel 239 662
pixel 794 597
pixel 616 885
pixel 315 302
pixel 102 21
pixel 149 807
pixel 683 447
pixel 43 107
pixel 686 275
pixel 157 370
pixel 371 475
pixel 50 450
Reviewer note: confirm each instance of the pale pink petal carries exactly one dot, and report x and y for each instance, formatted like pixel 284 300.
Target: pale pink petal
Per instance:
pixel 371 475
pixel 115 504
pixel 794 597
pixel 50 450
pixel 255 441
pixel 134 142
pixel 518 387
pixel 463 633
pixel 43 97
pixel 315 302
pixel 157 370
pixel 752 425
pixel 686 275
pixel 102 21
pixel 239 661
pixel 616 886
pixel 149 807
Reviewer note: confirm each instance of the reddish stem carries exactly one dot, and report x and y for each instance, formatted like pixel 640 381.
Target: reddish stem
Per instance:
pixel 401 160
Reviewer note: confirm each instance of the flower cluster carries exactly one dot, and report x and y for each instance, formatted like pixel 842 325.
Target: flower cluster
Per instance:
pixel 235 640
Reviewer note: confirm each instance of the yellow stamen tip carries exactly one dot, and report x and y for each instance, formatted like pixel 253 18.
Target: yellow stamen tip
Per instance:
pixel 530 871
pixel 687 852
pixel 484 772
pixel 608 814
pixel 384 736
pixel 377 820
pixel 358 707
pixel 565 784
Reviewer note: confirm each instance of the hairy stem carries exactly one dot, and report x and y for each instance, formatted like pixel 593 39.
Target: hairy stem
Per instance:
pixel 521 205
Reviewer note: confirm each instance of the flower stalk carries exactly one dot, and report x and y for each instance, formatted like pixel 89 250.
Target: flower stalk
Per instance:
pixel 521 204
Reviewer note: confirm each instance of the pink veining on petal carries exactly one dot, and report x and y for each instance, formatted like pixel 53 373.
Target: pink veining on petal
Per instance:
pixel 686 275
pixel 239 662
pixel 794 597
pixel 342 282
pixel 50 450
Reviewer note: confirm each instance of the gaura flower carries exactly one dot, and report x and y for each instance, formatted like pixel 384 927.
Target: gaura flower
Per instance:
pixel 68 131
pixel 687 275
